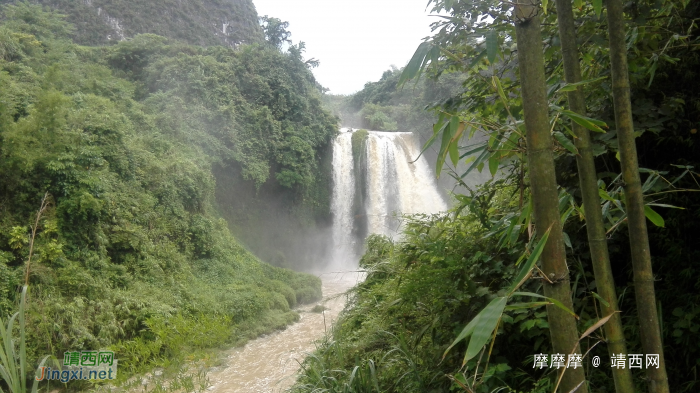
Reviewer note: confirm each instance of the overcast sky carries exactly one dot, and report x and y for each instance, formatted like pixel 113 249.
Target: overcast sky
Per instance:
pixel 355 40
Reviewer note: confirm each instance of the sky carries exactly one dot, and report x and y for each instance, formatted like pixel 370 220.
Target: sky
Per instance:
pixel 355 40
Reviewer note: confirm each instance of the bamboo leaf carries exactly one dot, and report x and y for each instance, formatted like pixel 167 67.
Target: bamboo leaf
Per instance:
pixel 584 121
pixel 595 326
pixel 567 240
pixel 527 267
pixel 597 7
pixel 665 205
pixel 466 332
pixel 499 88
pixel 552 300
pixel 472 151
pixel 520 306
pixel 493 165
pixel 478 163
pixel 417 63
pixel 600 299
pixel 604 194
pixel 447 134
pixel 454 142
pixel 437 128
pixel 491 39
pixel 454 153
pixel 484 327
pixel 654 216
pixel 566 142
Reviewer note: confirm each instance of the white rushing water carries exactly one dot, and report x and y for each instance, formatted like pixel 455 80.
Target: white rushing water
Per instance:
pixel 341 203
pixel 393 185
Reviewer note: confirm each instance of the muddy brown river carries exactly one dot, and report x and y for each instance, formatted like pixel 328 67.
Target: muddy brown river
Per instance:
pixel 270 363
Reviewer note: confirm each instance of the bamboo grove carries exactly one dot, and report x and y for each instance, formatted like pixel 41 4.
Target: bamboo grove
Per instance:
pixel 585 115
pixel 494 21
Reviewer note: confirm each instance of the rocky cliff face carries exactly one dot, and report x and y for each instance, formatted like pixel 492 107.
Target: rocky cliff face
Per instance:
pixel 199 22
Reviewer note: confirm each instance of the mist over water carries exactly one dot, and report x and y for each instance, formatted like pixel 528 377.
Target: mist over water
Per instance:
pixel 370 195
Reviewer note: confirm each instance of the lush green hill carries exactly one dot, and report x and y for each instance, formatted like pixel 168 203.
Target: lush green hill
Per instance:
pixel 132 252
pixel 198 22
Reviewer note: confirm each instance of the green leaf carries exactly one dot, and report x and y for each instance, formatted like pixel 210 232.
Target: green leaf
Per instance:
pixel 566 142
pixel 478 163
pixel 417 63
pixel 604 194
pixel 591 124
pixel 567 241
pixel 493 165
pixel 527 267
pixel 597 7
pixel 545 3
pixel 466 332
pixel 578 4
pixel 448 133
pixel 484 327
pixel 652 72
pixel 666 205
pixel 456 129
pixel 472 151
pixel 437 128
pixel 552 300
pixel 491 39
pixel 654 216
pixel 443 150
pixel 600 299
pixel 520 306
pixel 499 88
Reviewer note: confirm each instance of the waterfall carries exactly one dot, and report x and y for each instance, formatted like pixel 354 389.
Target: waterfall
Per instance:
pixel 375 181
pixel 344 243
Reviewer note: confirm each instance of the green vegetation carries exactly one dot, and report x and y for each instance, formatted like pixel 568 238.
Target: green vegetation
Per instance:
pixel 131 251
pixel 383 106
pixel 418 295
pixel 437 312
pixel 198 22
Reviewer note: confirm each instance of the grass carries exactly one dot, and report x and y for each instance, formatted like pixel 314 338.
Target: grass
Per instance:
pixel 13 351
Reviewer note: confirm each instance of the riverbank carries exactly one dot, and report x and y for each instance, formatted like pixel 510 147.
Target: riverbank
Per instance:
pixel 270 362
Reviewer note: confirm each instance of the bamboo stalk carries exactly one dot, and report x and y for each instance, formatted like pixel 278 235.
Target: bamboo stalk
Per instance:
pixel 639 241
pixel 562 326
pixel 589 191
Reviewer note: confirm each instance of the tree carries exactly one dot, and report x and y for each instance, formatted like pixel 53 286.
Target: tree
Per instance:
pixel 588 178
pixel 649 329
pixel 276 33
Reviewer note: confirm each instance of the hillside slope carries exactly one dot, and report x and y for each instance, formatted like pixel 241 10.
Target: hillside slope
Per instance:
pixel 131 252
pixel 197 22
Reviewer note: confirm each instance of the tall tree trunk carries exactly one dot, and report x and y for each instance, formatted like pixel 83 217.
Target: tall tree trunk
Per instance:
pixel 562 326
pixel 641 258
pixel 589 190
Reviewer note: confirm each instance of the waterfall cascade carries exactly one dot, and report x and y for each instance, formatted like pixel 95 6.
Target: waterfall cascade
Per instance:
pixel 374 181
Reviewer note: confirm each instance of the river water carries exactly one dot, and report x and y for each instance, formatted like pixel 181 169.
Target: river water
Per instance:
pixel 270 363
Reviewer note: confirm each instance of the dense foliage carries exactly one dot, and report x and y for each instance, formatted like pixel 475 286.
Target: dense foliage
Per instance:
pixel 132 253
pixel 384 106
pixel 418 295
pixel 199 22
